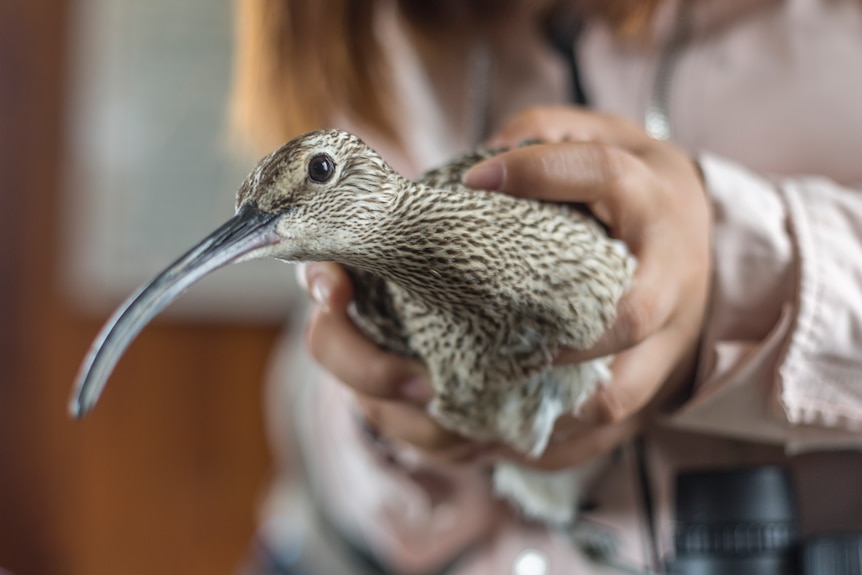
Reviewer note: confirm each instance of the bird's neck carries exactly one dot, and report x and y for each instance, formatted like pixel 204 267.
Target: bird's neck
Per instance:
pixel 414 245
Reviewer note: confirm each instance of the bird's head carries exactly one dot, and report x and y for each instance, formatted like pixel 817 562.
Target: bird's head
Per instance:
pixel 310 199
pixel 320 193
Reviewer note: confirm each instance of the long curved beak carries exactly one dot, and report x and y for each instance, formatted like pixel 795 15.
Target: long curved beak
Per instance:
pixel 249 230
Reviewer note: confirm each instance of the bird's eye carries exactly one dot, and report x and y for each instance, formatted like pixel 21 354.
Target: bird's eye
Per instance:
pixel 320 168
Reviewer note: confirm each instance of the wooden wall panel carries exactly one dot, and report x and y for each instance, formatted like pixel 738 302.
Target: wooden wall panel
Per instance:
pixel 165 476
pixel 170 467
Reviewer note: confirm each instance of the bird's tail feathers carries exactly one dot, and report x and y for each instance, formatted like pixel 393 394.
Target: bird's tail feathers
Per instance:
pixel 550 497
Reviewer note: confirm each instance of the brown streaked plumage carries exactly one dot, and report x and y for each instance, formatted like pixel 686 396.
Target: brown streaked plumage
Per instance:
pixel 483 288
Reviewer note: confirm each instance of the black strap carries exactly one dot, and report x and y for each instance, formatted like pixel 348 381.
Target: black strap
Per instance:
pixel 562 35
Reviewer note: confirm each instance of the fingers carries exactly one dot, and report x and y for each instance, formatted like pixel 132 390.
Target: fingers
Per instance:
pixel 338 345
pixel 647 307
pixel 619 190
pixel 651 372
pixel 637 375
pixel 613 182
pixel 650 215
pixel 391 391
pixel 637 317
pixel 645 379
pixel 594 442
pixel 412 425
pixel 566 172
pixel 595 153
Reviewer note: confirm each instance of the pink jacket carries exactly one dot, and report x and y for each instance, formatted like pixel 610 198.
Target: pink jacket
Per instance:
pixel 768 95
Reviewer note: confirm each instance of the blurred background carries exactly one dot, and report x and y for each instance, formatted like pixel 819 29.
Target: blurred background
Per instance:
pixel 114 158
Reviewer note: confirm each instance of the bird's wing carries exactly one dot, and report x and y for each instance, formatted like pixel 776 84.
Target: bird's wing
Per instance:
pixel 374 313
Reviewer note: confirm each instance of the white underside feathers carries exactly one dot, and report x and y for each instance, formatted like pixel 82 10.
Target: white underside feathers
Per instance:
pixel 549 496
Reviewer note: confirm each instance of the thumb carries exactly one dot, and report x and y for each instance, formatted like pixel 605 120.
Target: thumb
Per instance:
pixel 563 172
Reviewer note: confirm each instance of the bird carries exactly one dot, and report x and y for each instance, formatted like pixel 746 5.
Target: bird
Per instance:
pixel 485 289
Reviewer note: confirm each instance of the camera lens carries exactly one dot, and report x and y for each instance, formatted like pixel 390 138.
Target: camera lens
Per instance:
pixel 835 554
pixel 737 521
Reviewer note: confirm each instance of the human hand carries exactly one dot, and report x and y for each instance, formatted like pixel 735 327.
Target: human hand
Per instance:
pixel 650 195
pixel 391 391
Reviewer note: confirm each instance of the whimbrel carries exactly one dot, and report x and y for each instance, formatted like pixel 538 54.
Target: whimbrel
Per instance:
pixel 481 287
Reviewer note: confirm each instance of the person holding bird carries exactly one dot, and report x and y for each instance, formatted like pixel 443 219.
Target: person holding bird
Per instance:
pixel 718 140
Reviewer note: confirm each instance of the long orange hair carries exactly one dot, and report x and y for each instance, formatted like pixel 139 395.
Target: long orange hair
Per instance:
pixel 297 61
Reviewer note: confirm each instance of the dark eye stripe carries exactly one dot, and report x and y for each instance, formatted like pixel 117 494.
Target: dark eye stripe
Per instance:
pixel 320 168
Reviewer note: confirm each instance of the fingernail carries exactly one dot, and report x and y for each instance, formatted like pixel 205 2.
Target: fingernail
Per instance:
pixel 417 390
pixel 320 291
pixel 314 280
pixel 302 275
pixel 485 176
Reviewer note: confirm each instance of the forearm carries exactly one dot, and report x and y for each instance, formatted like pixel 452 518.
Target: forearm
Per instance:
pixel 780 358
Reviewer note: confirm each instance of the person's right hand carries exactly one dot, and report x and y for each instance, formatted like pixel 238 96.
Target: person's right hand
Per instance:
pixel 391 391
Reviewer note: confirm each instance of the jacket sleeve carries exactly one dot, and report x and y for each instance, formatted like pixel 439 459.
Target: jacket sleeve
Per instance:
pixel 781 357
